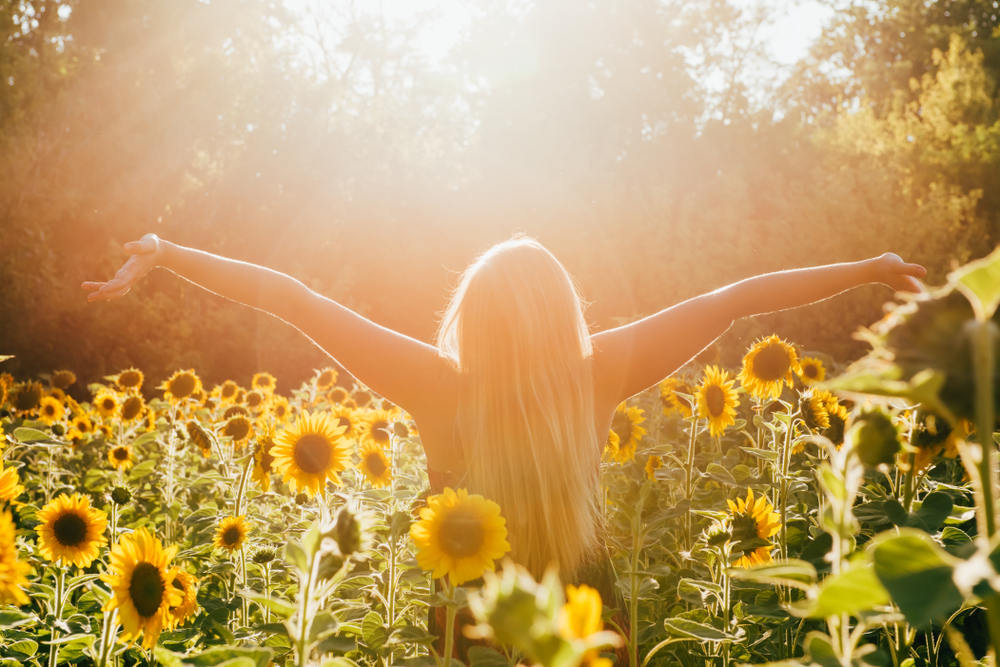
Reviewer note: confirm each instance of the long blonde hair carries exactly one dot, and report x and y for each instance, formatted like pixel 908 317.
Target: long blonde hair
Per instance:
pixel 516 332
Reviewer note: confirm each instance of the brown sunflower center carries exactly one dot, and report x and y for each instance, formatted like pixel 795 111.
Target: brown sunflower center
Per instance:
pixel 182 385
pixel 228 390
pixel 346 423
pixel 325 379
pixel 376 464
pixel 108 404
pixel 49 410
pixel 254 399
pixel 715 399
pixel 461 533
pixel 129 379
pixel 810 371
pixel 312 453
pixel 131 408
pixel 146 589
pixel 231 536
pixel 238 428
pixel 771 363
pixel 70 529
pixel 121 453
pixel 380 432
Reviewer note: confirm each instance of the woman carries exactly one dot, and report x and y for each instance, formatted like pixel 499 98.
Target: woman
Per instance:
pixel 515 399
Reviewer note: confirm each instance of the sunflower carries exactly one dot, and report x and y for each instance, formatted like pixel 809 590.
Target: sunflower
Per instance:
pixel 310 451
pixel 459 535
pixel 10 486
pixel 375 426
pixel 186 584
pixel 815 408
pixel 25 397
pixel 671 401
pixel 337 396
pixel 717 400
pixel 933 436
pixel 753 521
pixel 106 403
pixel 625 426
pixel 71 531
pixel 226 392
pixel 263 382
pixel 130 379
pixel 120 457
pixel 239 429
pixel 181 385
pixel 811 370
pixel 82 423
pixel 280 408
pixel 580 618
pixel 255 400
pixel 263 460
pixel 231 533
pixel 63 378
pixel 142 584
pixel 768 365
pixel 199 437
pixel 361 397
pixel 50 410
pixel 375 465
pixel 132 408
pixel 349 419
pixel 652 464
pixel 325 379
pixel 12 570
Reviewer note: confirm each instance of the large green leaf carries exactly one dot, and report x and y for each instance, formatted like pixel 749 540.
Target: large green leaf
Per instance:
pixel 851 591
pixel 979 282
pixel 918 575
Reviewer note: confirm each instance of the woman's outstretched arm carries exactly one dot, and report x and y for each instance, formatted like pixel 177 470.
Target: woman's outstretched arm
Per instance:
pixel 402 369
pixel 635 356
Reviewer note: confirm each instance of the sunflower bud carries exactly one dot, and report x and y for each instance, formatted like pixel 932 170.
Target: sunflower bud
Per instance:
pixel 875 438
pixel 264 555
pixel 120 495
pixel 346 532
pixel 301 498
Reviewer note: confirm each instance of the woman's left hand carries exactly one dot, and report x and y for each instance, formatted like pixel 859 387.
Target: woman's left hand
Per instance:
pixel 890 269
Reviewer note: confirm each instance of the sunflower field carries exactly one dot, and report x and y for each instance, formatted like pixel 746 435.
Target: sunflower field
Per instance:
pixel 787 512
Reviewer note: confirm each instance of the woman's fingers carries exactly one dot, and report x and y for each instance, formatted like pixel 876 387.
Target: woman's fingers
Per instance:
pixel 917 270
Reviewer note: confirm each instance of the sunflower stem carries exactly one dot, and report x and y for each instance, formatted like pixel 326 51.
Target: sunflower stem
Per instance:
pixel 449 626
pixel 908 482
pixel 60 594
pixel 108 626
pixel 243 598
pixel 244 476
pixel 689 482
pixel 633 601
pixel 304 612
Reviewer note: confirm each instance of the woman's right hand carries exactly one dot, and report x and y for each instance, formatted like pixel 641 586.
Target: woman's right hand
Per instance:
pixel 145 253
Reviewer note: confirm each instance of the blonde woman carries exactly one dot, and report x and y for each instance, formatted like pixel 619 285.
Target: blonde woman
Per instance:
pixel 514 400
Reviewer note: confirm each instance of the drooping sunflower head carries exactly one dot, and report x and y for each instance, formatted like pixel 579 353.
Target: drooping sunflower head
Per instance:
pixel 625 424
pixel 768 366
pixel 814 406
pixel 199 437
pixel 231 534
pixel 375 426
pixel 130 379
pixel 141 581
pixel 106 403
pixel 120 456
pixel 25 396
pixel 187 586
pixel 263 459
pixel 717 400
pixel 50 410
pixel 325 379
pixel 375 465
pixel 13 572
pixel 181 385
pixel 132 408
pixel 459 535
pixel 753 521
pixel 263 382
pixel 71 531
pixel 311 451
pixel 811 370
pixel 62 378
pixel 653 463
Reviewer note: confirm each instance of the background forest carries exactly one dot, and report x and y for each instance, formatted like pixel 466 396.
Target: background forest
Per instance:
pixel 648 143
